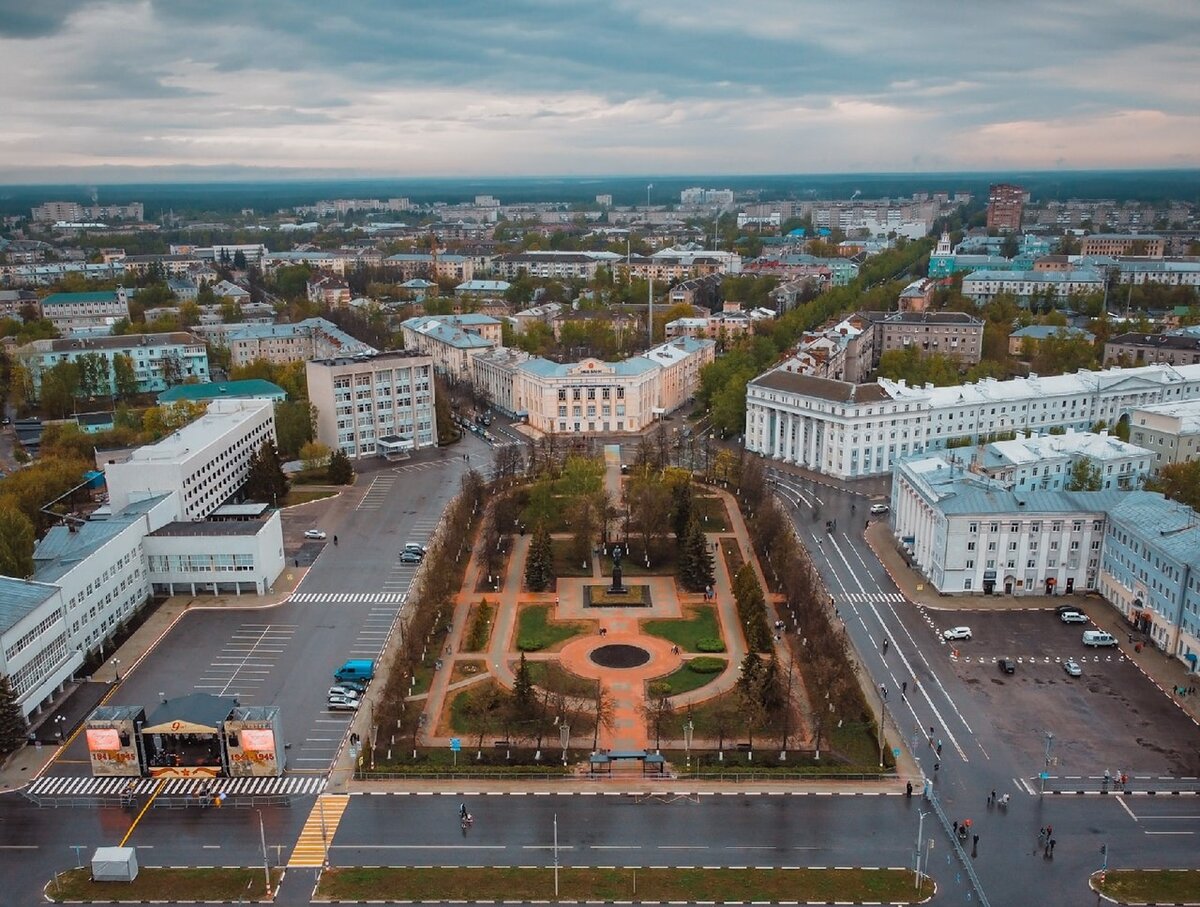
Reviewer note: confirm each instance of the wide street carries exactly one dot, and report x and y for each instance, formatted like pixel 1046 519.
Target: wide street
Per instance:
pixel 345 605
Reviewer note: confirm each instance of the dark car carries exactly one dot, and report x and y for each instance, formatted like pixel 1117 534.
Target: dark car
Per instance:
pixel 1008 666
pixel 1063 609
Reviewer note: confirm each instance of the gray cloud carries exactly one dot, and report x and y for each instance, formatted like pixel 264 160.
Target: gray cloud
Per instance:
pixel 607 86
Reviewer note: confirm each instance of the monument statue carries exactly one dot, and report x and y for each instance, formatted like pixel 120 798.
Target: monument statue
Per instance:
pixel 617 587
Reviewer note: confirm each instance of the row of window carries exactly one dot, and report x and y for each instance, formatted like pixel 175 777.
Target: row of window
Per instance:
pixel 1035 526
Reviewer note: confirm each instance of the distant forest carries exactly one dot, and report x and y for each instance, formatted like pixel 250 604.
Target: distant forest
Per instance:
pixel 266 197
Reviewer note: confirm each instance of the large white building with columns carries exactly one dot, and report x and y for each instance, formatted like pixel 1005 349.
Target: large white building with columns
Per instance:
pixel 850 430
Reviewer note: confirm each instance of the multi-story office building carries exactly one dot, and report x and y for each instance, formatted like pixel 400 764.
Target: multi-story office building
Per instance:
pixel 54 212
pixel 451 340
pixel 1170 431
pixel 1150 571
pixel 983 286
pixel 1141 245
pixel 374 405
pixel 967 533
pixel 954 334
pixel 207 461
pixel 1006 203
pixel 554 264
pixel 86 313
pixel 312 338
pixel 848 430
pixel 159 361
pixel 1180 347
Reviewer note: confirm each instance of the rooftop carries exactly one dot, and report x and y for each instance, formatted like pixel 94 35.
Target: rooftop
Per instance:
pixel 249 387
pixel 210 528
pixel 1173 527
pixel 63 549
pixel 1186 411
pixel 1099 447
pixel 20 598
pixel 1075 276
pixel 221 416
pixel 822 388
pixel 1042 331
pixel 119 342
pixel 77 298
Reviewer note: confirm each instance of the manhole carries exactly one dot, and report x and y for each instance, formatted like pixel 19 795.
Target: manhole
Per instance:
pixel 620 656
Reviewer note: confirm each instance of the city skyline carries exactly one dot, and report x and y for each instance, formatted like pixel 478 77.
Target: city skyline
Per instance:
pixel 615 88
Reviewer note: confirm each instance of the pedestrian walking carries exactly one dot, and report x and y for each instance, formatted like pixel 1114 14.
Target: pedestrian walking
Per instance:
pixel 974 843
pixel 885 646
pixel 1049 830
pixel 883 691
pixel 1042 837
pixel 956 827
pixel 993 799
pixel 939 748
pixel 1052 843
pixel 904 688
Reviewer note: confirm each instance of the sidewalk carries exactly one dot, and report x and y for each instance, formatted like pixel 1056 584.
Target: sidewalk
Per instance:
pixel 1165 672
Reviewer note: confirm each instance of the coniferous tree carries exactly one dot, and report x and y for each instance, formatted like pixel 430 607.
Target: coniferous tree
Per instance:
pixel 523 696
pixel 340 471
pixel 695 562
pixel 539 564
pixel 265 480
pixel 13 727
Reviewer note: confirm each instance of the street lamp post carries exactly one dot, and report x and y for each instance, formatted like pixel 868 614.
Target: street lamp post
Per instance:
pixel 262 837
pixel 1046 766
pixel 687 741
pixel 920 835
pixel 59 723
pixel 882 721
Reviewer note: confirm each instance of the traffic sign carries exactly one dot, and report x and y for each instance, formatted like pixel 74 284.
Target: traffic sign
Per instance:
pixel 455 744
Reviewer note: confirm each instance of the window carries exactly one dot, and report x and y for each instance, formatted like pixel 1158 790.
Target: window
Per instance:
pixel 970 546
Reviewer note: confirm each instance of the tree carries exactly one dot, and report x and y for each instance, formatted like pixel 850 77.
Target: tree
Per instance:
pixel 95 378
pixel 340 470
pixel 695 563
pixel 1179 482
pixel 265 480
pixel 524 699
pixel 125 379
pixel 658 710
pixel 172 369
pixel 293 426
pixel 13 727
pixel 605 713
pixel 314 455
pixel 60 387
pixel 16 541
pixel 239 260
pixel 1085 476
pixel 447 431
pixel 539 563
pixel 160 421
pixel 189 314
pixel 649 509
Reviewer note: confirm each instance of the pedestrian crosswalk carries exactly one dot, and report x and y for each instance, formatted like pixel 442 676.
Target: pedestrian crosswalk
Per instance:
pixel 313 844
pixel 60 786
pixel 350 598
pixel 864 597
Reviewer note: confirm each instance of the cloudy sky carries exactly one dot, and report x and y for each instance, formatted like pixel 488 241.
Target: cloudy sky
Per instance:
pixel 543 87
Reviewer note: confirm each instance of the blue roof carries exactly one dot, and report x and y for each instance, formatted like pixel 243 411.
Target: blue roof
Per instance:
pixel 62 550
pixel 1168 526
pixel 1042 331
pixel 19 599
pixel 248 387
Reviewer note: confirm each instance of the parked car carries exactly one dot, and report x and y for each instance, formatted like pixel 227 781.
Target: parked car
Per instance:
pixel 957 633
pixel 1008 666
pixel 344 691
pixel 416 548
pixel 314 533
pixel 879 508
pixel 1073 617
pixel 1098 638
pixel 1063 609
pixel 410 557
pixel 1071 666
pixel 358 686
pixel 342 704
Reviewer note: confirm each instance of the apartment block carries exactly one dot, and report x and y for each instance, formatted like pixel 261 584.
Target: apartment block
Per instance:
pixel 1140 245
pixel 86 313
pixel 451 340
pixel 159 360
pixel 1170 431
pixel 1006 203
pixel 312 338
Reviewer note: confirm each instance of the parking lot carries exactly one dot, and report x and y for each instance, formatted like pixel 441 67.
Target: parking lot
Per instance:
pixel 1111 717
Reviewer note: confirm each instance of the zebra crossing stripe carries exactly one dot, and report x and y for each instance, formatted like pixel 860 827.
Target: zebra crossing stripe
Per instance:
pixel 63 786
pixel 346 598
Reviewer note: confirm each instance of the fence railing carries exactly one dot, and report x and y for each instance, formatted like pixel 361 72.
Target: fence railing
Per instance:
pixel 932 798
pixel 116 801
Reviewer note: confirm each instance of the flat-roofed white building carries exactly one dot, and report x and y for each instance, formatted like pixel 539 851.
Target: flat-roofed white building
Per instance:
pixel 86 313
pixel 983 286
pixel 207 461
pixel 1046 462
pixel 850 430
pixel 374 405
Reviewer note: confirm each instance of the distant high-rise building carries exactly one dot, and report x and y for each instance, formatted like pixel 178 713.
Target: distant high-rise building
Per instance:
pixel 604 201
pixel 1005 205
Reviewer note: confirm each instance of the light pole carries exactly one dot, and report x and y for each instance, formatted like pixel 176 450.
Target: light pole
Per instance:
pixel 882 721
pixel 324 832
pixel 1043 772
pixel 687 741
pixel 564 733
pixel 920 834
pixel 262 837
pixel 59 722
pixel 556 856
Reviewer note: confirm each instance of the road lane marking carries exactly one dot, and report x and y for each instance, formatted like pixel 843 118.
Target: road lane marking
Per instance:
pixel 142 813
pixel 1125 806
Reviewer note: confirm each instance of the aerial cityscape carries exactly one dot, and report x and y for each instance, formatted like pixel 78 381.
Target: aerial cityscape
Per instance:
pixel 599 453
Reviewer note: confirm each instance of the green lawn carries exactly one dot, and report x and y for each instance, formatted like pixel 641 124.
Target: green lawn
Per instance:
pixel 733 556
pixel 700 623
pixel 564 563
pixel 714 509
pixel 164 885
pixel 622 884
pixel 1150 886
pixel 685 679
pixel 662 560
pixel 536 631
pixel 304 495
pixel 550 674
pixel 634 596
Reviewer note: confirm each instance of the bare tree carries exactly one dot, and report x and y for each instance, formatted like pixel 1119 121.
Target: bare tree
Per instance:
pixel 658 710
pixel 604 710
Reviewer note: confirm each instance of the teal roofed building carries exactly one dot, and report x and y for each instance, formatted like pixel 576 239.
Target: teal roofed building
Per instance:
pixel 248 389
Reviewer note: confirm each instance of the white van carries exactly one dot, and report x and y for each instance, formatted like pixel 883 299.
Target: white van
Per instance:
pixel 1098 638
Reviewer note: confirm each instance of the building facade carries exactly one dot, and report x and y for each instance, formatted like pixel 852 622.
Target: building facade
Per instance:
pixel 1140 245
pixel 451 341
pixel 374 405
pixel 159 361
pixel 1172 348
pixel 847 430
pixel 312 338
pixel 1048 462
pixel 983 286
pixel 206 461
pixel 1006 204
pixel 1170 431
pixel 85 313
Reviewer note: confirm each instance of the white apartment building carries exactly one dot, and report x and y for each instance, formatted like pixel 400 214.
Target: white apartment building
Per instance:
pixel 374 405
pixel 983 286
pixel 967 533
pixel 86 313
pixel 206 461
pixel 1170 431
pixel 451 340
pixel 159 360
pixel 848 430
pixel 1046 462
